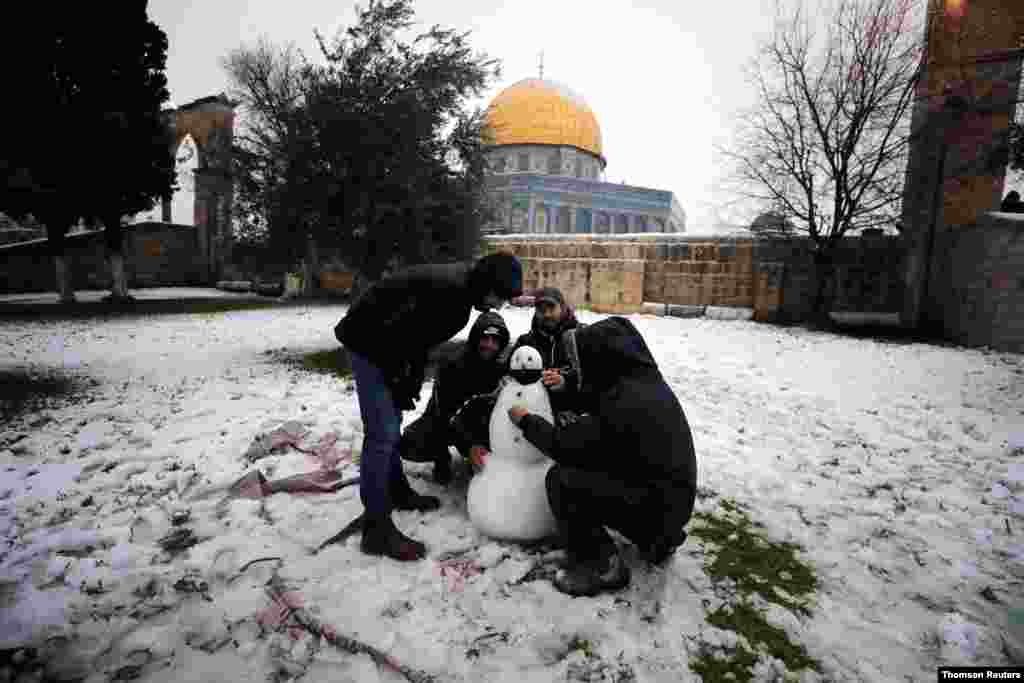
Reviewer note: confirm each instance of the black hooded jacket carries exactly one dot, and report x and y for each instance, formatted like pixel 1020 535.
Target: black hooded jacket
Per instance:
pixel 459 380
pixel 636 431
pixel 469 375
pixel 553 355
pixel 400 318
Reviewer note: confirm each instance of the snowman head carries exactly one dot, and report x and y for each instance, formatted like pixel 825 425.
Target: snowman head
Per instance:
pixel 526 365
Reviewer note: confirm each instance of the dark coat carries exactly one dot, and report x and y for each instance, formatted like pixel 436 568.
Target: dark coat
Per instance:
pixel 636 430
pixel 553 355
pixel 457 381
pixel 468 375
pixel 400 318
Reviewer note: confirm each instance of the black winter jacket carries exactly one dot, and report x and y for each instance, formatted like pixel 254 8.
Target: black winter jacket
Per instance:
pixel 636 431
pixel 469 375
pixel 400 318
pixel 553 355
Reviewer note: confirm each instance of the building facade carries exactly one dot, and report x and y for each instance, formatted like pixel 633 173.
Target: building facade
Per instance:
pixel 546 170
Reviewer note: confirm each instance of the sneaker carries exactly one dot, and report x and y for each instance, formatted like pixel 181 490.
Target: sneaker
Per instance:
pixel 590 578
pixel 382 537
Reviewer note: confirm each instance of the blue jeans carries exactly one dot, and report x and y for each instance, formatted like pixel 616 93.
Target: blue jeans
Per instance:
pixel 380 467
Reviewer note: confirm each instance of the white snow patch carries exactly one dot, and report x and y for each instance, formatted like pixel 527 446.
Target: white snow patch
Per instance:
pixel 876 457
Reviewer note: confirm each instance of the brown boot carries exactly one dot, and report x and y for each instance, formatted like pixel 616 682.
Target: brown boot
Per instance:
pixel 382 537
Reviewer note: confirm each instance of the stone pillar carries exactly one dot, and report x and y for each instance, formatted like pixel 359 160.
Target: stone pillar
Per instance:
pixel 165 206
pixel 531 225
pixel 957 162
pixel 572 219
pixel 212 220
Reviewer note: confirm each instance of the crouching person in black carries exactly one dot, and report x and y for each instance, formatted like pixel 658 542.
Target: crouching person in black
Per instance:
pixel 447 420
pixel 628 464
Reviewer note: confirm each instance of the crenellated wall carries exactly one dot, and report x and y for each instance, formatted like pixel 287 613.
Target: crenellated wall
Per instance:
pixel 619 273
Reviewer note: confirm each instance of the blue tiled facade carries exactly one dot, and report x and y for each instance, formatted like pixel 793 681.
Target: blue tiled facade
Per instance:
pixel 535 203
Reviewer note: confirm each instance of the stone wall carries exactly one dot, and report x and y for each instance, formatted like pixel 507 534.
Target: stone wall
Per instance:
pixel 619 273
pixel 979 282
pixel 156 254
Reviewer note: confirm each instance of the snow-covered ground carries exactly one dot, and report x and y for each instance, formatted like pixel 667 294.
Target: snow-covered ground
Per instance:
pixel 897 467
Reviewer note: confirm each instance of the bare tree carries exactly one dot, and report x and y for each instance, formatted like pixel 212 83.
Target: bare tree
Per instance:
pixel 826 143
pixel 271 153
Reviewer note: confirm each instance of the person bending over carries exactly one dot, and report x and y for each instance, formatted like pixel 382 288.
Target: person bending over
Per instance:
pixel 388 332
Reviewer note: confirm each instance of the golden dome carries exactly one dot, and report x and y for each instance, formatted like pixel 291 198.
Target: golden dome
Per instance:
pixel 535 111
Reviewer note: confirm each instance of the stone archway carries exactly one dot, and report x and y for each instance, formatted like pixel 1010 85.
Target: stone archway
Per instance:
pixel 209 121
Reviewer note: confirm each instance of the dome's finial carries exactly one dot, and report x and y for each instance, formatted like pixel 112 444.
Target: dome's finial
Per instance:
pixel 542 65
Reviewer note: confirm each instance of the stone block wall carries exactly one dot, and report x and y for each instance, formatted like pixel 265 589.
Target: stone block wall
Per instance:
pixel 156 254
pixel 617 274
pixel 978 286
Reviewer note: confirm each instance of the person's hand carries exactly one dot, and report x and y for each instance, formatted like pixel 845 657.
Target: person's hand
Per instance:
pixel 517 413
pixel 478 456
pixel 552 379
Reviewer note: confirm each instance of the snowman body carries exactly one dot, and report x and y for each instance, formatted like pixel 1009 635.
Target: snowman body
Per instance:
pixel 508 499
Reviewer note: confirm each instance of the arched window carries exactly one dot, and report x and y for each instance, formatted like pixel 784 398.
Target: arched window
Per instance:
pixel 540 219
pixel 498 164
pixel 621 224
pixel 603 226
pixel 583 221
pixel 524 161
pixel 563 219
pixel 554 163
pixel 579 168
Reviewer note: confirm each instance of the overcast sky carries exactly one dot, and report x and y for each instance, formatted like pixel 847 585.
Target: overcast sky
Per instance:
pixel 664 78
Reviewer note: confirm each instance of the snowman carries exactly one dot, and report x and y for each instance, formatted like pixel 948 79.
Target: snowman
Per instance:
pixel 508 500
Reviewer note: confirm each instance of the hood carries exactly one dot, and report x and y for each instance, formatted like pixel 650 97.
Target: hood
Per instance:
pixel 604 352
pixel 501 273
pixel 483 321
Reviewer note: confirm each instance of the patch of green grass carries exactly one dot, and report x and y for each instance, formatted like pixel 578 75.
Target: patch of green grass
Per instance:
pixel 747 621
pixel 771 569
pixel 581 644
pixel 757 565
pixel 739 663
pixel 328 362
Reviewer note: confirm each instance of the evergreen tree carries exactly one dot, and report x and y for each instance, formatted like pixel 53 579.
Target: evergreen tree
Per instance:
pixel 96 87
pixel 399 153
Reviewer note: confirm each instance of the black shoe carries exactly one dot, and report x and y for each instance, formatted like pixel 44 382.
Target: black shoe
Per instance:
pixel 382 537
pixel 591 578
pixel 410 500
pixel 443 469
pixel 661 548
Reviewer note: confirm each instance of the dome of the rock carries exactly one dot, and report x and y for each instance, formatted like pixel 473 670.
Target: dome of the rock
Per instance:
pixel 541 112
